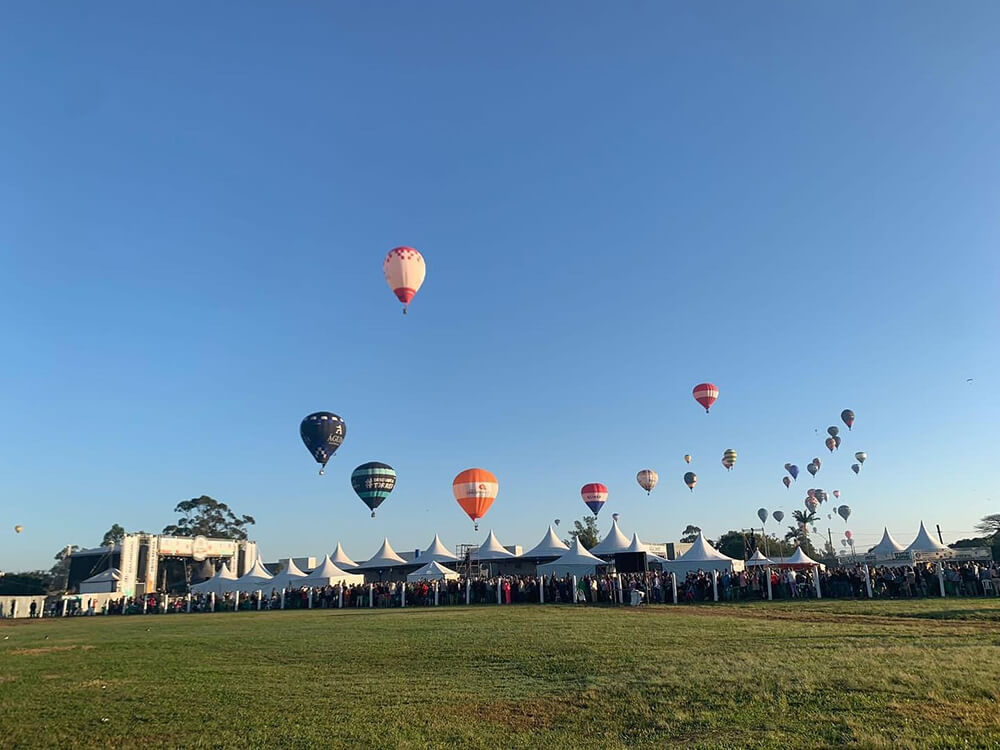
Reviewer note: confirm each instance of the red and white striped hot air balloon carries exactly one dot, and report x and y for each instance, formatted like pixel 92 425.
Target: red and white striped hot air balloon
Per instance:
pixel 706 395
pixel 404 270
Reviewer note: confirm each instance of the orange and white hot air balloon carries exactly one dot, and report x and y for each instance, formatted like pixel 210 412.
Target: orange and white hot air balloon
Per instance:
pixel 475 490
pixel 404 270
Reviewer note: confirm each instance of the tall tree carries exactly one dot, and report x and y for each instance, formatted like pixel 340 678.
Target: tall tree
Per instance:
pixel 206 516
pixel 689 534
pixel 800 532
pixel 114 535
pixel 587 532
pixel 989 526
pixel 732 543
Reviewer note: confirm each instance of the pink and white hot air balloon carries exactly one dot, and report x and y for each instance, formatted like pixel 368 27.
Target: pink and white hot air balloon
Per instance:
pixel 404 270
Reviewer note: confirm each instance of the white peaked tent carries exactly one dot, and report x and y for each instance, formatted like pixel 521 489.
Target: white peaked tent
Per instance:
pixel 491 549
pixel 220 583
pixel 925 543
pixel 328 574
pixel 701 556
pixel 289 577
pixel 888 548
pixel 758 560
pixel 386 557
pixel 437 552
pixel 257 578
pixel 550 546
pixel 432 571
pixel 341 559
pixel 575 561
pixel 799 558
pixel 105 582
pixel 637 546
pixel 613 543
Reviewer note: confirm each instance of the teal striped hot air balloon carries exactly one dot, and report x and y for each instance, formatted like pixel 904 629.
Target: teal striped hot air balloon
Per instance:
pixel 373 482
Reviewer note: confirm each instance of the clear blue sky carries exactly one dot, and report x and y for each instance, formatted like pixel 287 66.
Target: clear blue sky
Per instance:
pixel 800 203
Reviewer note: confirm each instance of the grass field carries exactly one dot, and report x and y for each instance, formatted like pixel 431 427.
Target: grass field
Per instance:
pixel 811 674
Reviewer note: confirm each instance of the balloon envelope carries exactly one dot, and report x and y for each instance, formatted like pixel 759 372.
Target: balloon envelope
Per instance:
pixel 833 430
pixel 812 504
pixel 787 481
pixel 691 479
pixel 837 440
pixel 794 471
pixel 322 432
pixel 817 462
pixel 778 515
pixel 373 482
pixel 762 514
pixel 594 495
pixel 831 444
pixel 861 456
pixel 855 468
pixel 836 494
pixel 647 479
pixel 848 416
pixel 404 270
pixel 844 512
pixel 729 458
pixel 848 534
pixel 687 458
pixel 475 490
pixel 812 469
pixel 18 529
pixel 705 394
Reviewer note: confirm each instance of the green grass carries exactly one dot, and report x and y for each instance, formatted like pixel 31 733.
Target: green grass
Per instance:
pixel 810 674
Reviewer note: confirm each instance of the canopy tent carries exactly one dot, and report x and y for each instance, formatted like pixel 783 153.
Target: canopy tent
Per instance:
pixel 613 543
pixel 328 574
pixel 220 583
pixel 550 546
pixel 257 578
pixel 386 557
pixel 575 561
pixel 432 571
pixel 203 572
pixel 888 548
pixel 437 552
pixel 289 577
pixel 925 543
pixel 341 559
pixel 759 560
pixel 637 546
pixel 105 582
pixel 701 556
pixel 491 549
pixel 799 559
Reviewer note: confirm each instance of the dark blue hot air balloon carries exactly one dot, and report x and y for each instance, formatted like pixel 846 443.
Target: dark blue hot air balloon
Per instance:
pixel 323 432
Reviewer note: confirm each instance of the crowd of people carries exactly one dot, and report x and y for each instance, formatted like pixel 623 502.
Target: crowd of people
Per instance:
pixel 922 580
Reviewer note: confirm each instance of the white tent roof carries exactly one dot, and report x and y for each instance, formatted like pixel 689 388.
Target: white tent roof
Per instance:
pixel 758 559
pixel 328 574
pixel 432 571
pixel 257 571
pixel 386 557
pixel 491 549
pixel 341 559
pixel 437 551
pixel 613 543
pixel 798 557
pixel 702 550
pixel 925 543
pixel 550 546
pixel 575 560
pixel 105 576
pixel 702 556
pixel 888 547
pixel 290 576
pixel 219 583
pixel 637 546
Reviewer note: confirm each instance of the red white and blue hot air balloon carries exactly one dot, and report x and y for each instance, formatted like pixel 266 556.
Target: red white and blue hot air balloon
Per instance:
pixel 594 495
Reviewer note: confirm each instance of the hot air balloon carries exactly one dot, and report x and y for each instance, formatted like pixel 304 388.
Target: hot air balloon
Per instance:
pixel 687 458
pixel 848 416
pixel 762 514
pixel 594 495
pixel 557 522
pixel 323 432
pixel 811 504
pixel 475 490
pixel 855 468
pixel 829 516
pixel 729 459
pixel 404 270
pixel 647 479
pixel 691 479
pixel 817 462
pixel 821 496
pixel 812 468
pixel 794 471
pixel 833 431
pixel 831 445
pixel 373 482
pixel 810 493
pixel 844 512
pixel 18 529
pixel 787 481
pixel 837 440
pixel 615 516
pixel 778 515
pixel 706 395
pixel 836 494
pixel 788 467
pixel 848 535
pixel 861 456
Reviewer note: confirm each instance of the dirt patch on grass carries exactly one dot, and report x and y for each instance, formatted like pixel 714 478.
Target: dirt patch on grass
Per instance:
pixel 47 650
pixel 941 712
pixel 516 715
pixel 7 678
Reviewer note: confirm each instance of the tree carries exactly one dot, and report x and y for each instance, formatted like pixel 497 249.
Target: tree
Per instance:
pixel 205 516
pixel 112 536
pixel 31 583
pixel 989 527
pixel 587 532
pixel 732 543
pixel 689 534
pixel 800 532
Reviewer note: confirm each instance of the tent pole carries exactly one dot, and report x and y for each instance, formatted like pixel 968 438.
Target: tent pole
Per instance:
pixel 541 589
pixel 715 585
pixel 499 600
pixel 340 596
pixel 435 593
pixel 770 593
pixel 189 603
pixel 574 590
pixel 260 600
pixel 673 585
pixel 212 600
pixel 371 595
pixel 282 598
pixel 468 582
pixel 940 575
pixel 236 604
pixel 402 595
pixel 868 581
pixel 819 594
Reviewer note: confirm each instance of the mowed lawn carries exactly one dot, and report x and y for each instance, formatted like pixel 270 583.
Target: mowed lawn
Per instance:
pixel 811 674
